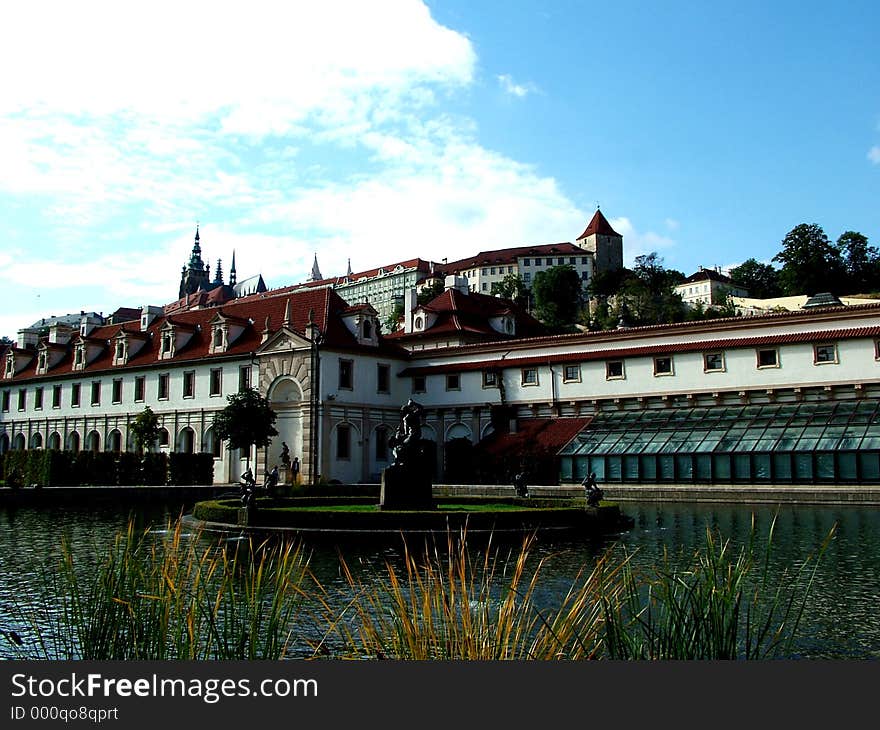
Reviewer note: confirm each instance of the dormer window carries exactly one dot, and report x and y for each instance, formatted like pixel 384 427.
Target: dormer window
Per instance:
pixel 120 352
pixel 79 357
pixel 219 339
pixel 367 329
pixel 9 371
pixel 167 345
pixel 42 363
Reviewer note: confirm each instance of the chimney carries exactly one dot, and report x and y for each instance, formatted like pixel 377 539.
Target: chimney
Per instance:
pixel 410 301
pixel 456 282
pixel 28 339
pixel 148 314
pixel 88 322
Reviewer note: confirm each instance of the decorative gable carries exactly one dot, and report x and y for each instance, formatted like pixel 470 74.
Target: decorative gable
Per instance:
pixel 16 361
pixel 362 321
pixel 85 351
pixel 48 356
pixel 173 337
pixel 225 330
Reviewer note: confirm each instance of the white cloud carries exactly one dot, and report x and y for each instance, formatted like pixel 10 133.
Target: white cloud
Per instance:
pixel 638 243
pixel 672 224
pixel 874 155
pixel 513 88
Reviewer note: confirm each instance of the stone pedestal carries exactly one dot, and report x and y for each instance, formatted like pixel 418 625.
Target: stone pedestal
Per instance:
pixel 405 487
pixel 284 474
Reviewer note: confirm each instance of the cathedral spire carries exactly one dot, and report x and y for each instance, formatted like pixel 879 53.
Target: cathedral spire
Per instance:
pixel 316 272
pixel 232 277
pixel 218 277
pixel 348 273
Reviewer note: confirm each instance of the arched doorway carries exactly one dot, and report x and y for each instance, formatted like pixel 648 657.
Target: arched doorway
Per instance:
pixel 93 442
pixel 36 440
pixel 114 441
pixel 286 396
pixel 55 441
pixel 73 441
pixel 18 442
pixel 4 443
pixel 186 440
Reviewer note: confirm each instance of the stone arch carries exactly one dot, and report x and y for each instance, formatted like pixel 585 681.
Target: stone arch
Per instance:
pixel 285 389
pixel 36 440
pixel 458 431
pixel 55 441
pixel 4 443
pixel 487 430
pixel 114 441
pixel 186 440
pixel 73 441
pixel 18 442
pixel 164 437
pixel 211 444
pixel 93 441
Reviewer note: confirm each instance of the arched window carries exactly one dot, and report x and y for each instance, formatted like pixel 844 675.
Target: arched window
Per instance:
pixel 114 441
pixel 93 442
pixel 164 437
pixel 18 442
pixel 37 441
pixel 73 441
pixel 55 441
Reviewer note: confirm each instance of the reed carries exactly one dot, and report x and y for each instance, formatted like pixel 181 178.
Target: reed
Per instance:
pixel 167 596
pixel 455 604
pixel 717 604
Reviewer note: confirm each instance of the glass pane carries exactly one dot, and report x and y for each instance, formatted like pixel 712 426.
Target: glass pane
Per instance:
pixel 667 470
pixel 684 467
pixel 803 467
pixel 703 464
pixel 565 469
pixel 631 468
pixel 782 467
pixel 846 467
pixel 648 467
pixel 761 467
pixel 597 466
pixel 741 466
pixel 825 466
pixel 721 466
pixel 869 465
pixel 613 469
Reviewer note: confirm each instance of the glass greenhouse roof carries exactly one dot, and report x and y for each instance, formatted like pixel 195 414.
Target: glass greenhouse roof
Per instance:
pixel 827 426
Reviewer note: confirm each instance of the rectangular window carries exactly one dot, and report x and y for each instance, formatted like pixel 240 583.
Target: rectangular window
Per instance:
pixel 713 362
pixel 163 386
pixel 117 390
pixel 663 365
pixel 537 262
pixel 572 261
pixel 38 399
pixel 96 393
pixel 584 260
pixel 418 384
pixel 22 399
pixel 492 271
pixel 56 396
pixel 483 272
pixel 490 379
pixel 74 395
pixel 484 286
pixel 453 382
pixel 768 358
pixel 5 401
pixel 529 376
pixel 139 388
pixel 614 370
pixel 823 354
pixel 571 374
pixel 527 262
pixel 343 441
pixel 216 381
pixel 189 383
pixel 527 277
pixel 244 377
pixel 383 378
pixel 345 374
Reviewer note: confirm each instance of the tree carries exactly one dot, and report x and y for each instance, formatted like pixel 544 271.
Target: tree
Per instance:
pixel 393 320
pixel 430 292
pixel 558 296
pixel 759 279
pixel 248 420
pixel 861 261
pixel 5 341
pixel 145 429
pixel 810 262
pixel 513 288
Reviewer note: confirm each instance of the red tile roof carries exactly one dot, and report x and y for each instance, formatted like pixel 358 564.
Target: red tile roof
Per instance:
pixel 510 256
pixel 535 434
pixel 599 224
pixel 707 274
pixel 325 304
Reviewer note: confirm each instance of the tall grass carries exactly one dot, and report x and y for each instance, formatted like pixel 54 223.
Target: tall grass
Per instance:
pixel 174 596
pixel 454 604
pixel 720 604
pixel 168 596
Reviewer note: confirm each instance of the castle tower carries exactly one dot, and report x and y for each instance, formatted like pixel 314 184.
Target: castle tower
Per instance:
pixel 604 242
pixel 195 274
pixel 316 272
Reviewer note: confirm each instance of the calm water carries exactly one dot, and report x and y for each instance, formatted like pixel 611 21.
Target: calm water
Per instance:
pixel 841 621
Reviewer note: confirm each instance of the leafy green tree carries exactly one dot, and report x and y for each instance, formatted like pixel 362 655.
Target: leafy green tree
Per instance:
pixel 247 420
pixel 145 430
pixel 559 297
pixel 862 262
pixel 430 292
pixel 810 262
pixel 513 288
pixel 391 323
pixel 5 341
pixel 759 279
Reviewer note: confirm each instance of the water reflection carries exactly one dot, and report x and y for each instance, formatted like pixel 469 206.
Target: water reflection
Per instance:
pixel 840 620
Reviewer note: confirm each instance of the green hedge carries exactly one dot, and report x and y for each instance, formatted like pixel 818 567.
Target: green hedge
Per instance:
pixel 85 468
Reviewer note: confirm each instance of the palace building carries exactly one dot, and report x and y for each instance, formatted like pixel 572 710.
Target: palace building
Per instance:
pixel 783 397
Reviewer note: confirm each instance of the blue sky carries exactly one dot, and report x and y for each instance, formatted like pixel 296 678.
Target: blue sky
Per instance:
pixel 381 131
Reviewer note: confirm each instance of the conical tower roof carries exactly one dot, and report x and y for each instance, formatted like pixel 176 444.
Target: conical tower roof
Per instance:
pixel 599 224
